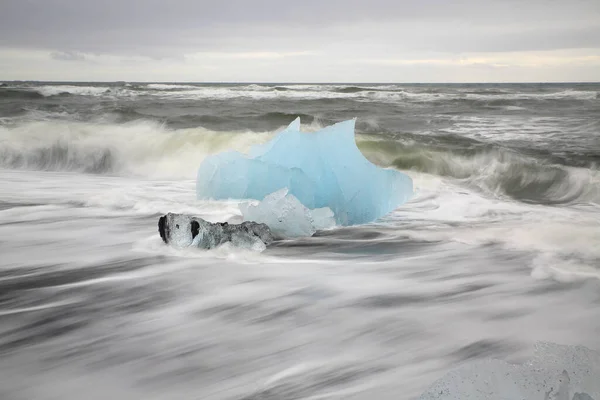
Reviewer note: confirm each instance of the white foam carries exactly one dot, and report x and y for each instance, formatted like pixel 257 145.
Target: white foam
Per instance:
pixel 563 241
pixel 226 93
pixel 54 90
pixel 163 86
pixel 154 245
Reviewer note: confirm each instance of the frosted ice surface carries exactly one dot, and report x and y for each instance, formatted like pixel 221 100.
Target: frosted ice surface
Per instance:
pixel 286 216
pixel 555 373
pixel 320 169
pixel 232 175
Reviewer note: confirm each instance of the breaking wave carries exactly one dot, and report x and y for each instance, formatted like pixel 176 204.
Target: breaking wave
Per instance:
pixel 6 93
pixel 139 148
pixel 60 156
pixel 501 172
pixel 164 86
pixel 150 149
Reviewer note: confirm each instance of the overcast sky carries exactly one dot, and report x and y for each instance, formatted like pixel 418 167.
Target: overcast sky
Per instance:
pixel 300 41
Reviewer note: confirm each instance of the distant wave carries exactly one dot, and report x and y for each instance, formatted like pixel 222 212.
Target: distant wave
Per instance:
pixel 501 98
pixel 378 93
pixel 43 91
pixel 284 118
pixel 352 89
pixel 223 123
pixel 565 94
pixel 362 89
pixel 486 91
pixel 272 119
pixel 53 90
pixel 19 94
pixel 162 86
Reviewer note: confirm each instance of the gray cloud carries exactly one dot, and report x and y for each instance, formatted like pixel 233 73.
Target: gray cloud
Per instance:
pixel 67 56
pixel 157 27
pixel 338 36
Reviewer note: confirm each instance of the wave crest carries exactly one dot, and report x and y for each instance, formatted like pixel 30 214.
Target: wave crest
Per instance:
pixel 139 148
pixel 23 94
pixel 500 172
pixel 382 93
pixel 59 156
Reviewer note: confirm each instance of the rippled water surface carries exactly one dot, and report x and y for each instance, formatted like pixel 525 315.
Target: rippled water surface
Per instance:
pixel 499 248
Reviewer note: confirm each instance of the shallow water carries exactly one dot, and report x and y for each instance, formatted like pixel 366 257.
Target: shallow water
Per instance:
pixel 498 249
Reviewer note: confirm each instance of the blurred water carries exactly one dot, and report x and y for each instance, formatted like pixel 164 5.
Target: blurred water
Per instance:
pixel 498 249
pixel 94 305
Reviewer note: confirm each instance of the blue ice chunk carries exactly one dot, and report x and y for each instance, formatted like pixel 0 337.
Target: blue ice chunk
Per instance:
pixel 260 149
pixel 231 175
pixel 321 169
pixel 286 216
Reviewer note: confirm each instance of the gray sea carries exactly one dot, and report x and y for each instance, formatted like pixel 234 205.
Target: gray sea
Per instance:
pixel 498 249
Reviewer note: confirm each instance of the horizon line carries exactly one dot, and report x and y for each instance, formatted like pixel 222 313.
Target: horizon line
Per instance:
pixel 305 82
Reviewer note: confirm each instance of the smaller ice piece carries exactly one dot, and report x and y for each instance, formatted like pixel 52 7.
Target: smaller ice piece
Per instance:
pixel 320 169
pixel 556 372
pixel 286 216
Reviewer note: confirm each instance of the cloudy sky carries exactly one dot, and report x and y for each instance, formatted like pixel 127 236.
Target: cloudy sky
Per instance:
pixel 300 41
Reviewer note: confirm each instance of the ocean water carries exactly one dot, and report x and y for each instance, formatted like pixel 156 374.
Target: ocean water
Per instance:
pixel 499 248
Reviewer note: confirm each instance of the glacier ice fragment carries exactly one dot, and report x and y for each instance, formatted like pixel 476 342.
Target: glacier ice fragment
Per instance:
pixel 556 372
pixel 320 169
pixel 286 216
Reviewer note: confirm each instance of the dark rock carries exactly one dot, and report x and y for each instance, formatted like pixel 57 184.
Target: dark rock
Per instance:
pixel 182 231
